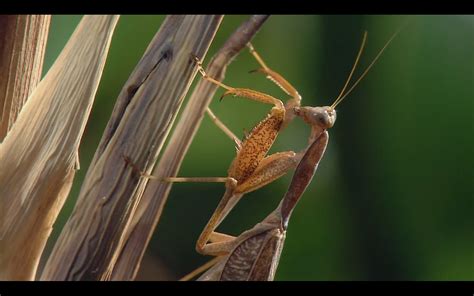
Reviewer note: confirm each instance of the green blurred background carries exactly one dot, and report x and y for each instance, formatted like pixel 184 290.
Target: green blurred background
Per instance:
pixel 392 198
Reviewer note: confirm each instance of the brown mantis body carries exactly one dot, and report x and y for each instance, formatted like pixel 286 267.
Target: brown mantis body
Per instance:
pixel 254 254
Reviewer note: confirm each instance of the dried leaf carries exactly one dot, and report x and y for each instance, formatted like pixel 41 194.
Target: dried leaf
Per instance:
pixel 39 155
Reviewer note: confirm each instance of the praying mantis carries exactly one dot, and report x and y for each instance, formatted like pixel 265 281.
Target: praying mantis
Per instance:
pixel 254 254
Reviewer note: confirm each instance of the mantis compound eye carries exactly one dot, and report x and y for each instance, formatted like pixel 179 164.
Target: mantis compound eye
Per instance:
pixel 323 119
pixel 315 116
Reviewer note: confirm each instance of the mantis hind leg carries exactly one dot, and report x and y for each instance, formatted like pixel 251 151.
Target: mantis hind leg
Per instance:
pixel 220 244
pixel 137 170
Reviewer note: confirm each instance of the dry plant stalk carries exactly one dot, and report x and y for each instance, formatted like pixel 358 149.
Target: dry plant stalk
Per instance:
pixel 89 244
pixel 39 154
pixel 23 43
pixel 151 205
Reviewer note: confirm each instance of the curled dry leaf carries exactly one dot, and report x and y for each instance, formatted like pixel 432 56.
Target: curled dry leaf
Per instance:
pixel 39 154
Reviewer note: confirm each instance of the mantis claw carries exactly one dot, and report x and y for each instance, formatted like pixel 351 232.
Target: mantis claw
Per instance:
pixel 261 70
pixel 229 92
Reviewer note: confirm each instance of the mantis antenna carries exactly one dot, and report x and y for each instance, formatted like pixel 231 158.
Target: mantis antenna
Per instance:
pixel 359 54
pixel 339 99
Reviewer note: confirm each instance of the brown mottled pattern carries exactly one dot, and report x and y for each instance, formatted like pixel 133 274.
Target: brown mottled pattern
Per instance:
pixel 265 266
pixel 256 146
pixel 242 259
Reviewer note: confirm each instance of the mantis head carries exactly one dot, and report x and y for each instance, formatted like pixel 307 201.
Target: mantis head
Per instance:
pixel 320 117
